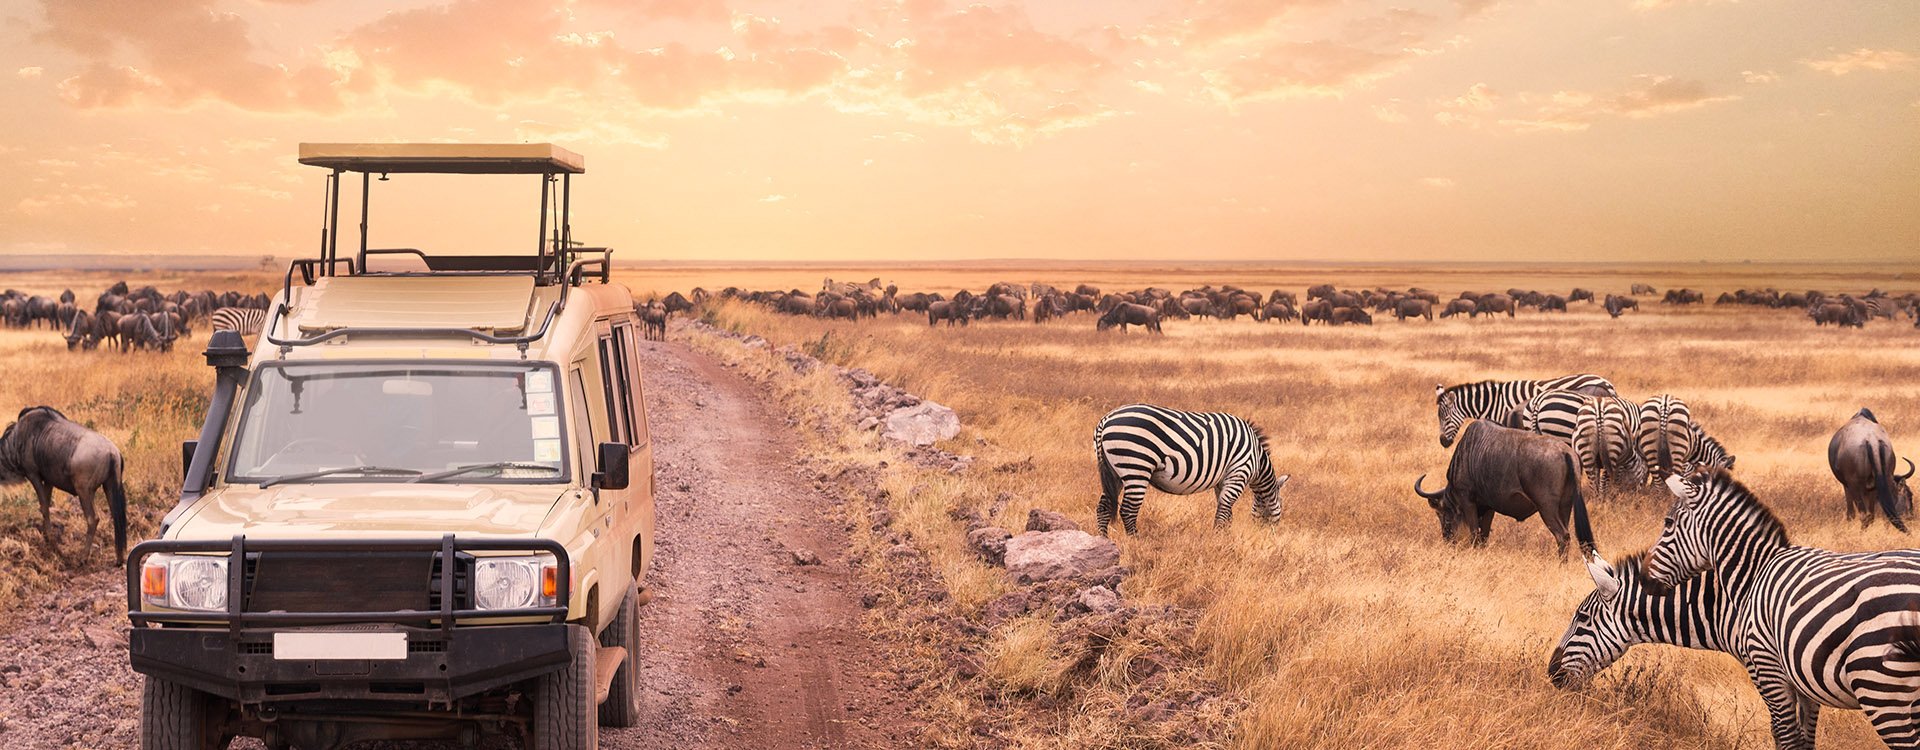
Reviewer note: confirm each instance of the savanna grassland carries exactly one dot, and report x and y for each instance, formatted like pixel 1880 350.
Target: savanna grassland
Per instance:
pixel 1350 623
pixel 146 402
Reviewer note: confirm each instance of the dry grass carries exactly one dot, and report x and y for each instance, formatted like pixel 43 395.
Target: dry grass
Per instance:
pixel 1350 624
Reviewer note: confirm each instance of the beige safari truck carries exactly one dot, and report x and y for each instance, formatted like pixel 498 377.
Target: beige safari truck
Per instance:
pixel 421 506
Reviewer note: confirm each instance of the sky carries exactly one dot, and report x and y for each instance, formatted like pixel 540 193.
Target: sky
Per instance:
pixel 1327 130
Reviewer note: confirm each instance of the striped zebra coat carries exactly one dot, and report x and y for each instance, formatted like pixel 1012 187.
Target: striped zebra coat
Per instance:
pixel 244 320
pixel 1626 609
pixel 1603 439
pixel 1665 435
pixel 1500 401
pixel 1814 628
pixel 1181 453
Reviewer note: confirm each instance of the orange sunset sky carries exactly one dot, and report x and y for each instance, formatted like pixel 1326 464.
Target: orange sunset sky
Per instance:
pixel 907 129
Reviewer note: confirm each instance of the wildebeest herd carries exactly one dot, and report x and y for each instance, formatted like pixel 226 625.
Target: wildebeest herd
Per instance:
pixel 1151 307
pixel 130 319
pixel 1815 628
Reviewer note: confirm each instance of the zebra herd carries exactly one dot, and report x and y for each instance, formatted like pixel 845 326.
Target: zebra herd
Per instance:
pixel 1814 628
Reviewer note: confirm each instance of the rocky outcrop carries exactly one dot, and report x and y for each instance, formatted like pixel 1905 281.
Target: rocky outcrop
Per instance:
pixel 922 425
pixel 1053 555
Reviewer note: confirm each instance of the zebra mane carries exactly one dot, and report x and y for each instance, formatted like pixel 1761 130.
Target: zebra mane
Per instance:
pixel 1259 433
pixel 1868 413
pixel 1721 478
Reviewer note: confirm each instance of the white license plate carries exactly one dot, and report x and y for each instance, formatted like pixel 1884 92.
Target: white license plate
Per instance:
pixel 305 646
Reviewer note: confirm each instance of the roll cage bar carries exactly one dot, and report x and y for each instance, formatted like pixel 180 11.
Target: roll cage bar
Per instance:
pixel 557 260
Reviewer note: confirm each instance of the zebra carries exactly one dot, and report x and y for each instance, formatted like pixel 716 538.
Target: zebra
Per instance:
pixel 1707 450
pixel 1813 627
pixel 1181 453
pixel 244 320
pixel 1499 401
pixel 1603 439
pixel 1625 609
pixel 1665 435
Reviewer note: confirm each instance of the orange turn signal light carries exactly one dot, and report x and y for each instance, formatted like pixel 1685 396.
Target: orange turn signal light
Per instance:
pixel 153 579
pixel 550 581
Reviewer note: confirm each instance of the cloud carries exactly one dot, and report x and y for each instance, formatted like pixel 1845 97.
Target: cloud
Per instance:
pixel 176 53
pixel 88 197
pixel 1298 69
pixel 1759 77
pixel 774 198
pixel 1437 183
pixel 1645 96
pixel 1389 112
pixel 1843 63
pixel 30 72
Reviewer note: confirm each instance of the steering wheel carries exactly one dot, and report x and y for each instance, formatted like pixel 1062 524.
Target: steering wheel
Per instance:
pixel 309 446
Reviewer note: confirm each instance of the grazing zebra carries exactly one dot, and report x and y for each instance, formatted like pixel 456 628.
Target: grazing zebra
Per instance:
pixel 1814 628
pixel 1625 609
pixel 1603 439
pixel 1709 451
pixel 1181 453
pixel 1665 435
pixel 244 320
pixel 1499 401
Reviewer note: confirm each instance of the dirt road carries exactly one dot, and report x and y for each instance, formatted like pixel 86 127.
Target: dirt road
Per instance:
pixel 744 647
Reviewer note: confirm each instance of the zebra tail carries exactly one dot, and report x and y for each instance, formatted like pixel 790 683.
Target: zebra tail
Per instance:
pixel 1883 486
pixel 1582 528
pixel 1664 451
pixel 1109 479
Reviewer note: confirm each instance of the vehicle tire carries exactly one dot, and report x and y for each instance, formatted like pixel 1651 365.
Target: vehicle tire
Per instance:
pixel 622 707
pixel 175 717
pixel 563 711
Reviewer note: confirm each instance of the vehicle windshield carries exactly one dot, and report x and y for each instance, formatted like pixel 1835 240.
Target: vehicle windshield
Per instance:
pixel 391 422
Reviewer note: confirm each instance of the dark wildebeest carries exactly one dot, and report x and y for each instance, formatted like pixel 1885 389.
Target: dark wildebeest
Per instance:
pixel 1316 309
pixel 1617 304
pixel 1837 314
pixel 676 303
pixel 653 320
pixel 1494 304
pixel 1319 291
pixel 80 332
pixel 45 449
pixel 1413 307
pixel 1355 315
pixel 1128 313
pixel 1862 458
pixel 1580 294
pixel 952 311
pixel 841 308
pixel 1642 289
pixel 1553 302
pixel 1458 306
pixel 1514 473
pixel 1280 311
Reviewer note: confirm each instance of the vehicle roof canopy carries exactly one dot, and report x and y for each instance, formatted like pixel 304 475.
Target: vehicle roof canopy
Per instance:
pixel 444 158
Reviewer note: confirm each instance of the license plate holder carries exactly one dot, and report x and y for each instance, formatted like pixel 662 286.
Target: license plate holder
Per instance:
pixel 317 646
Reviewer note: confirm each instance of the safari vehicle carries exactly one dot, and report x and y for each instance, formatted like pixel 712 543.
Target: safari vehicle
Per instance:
pixel 422 507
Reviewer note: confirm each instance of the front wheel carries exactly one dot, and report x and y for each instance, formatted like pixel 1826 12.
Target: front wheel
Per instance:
pixel 622 706
pixel 177 717
pixel 564 715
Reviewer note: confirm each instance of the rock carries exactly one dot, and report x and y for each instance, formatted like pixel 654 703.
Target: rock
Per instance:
pixel 1097 600
pixel 922 425
pixel 1041 519
pixel 1050 555
pixel 990 543
pixel 804 557
pixel 869 424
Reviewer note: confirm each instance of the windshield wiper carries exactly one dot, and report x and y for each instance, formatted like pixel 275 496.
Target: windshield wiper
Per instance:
pixel 501 465
pixel 336 470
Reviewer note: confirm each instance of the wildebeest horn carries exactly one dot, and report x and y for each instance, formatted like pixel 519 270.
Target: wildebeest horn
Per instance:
pixel 1909 473
pixel 1428 495
pixel 1604 579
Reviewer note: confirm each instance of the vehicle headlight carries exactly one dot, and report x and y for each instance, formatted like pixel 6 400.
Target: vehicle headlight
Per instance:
pixel 515 582
pixel 193 582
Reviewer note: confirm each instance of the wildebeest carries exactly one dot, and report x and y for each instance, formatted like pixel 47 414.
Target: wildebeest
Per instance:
pixel 80 332
pixel 1413 308
pixel 1355 315
pixel 1862 458
pixel 1642 289
pixel 1280 311
pixel 653 320
pixel 1128 313
pixel 1837 314
pixel 1514 473
pixel 1458 306
pixel 952 311
pixel 45 449
pixel 1493 304
pixel 1580 294
pixel 1617 304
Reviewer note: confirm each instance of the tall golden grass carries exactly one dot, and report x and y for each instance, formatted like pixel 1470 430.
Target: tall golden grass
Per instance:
pixel 1350 623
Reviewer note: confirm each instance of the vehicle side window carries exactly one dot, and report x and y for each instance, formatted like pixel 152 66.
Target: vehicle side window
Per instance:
pixel 636 395
pixel 582 420
pixel 616 392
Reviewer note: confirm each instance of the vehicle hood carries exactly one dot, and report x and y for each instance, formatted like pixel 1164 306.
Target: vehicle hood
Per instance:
pixel 367 511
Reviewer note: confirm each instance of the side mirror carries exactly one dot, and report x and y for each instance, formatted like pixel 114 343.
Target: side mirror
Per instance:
pixel 187 449
pixel 611 473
